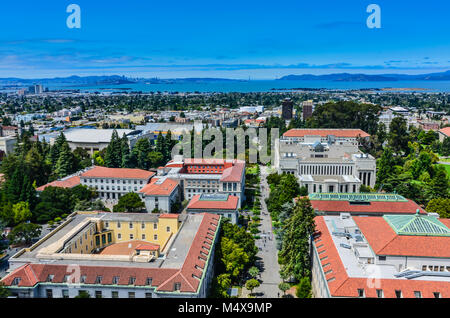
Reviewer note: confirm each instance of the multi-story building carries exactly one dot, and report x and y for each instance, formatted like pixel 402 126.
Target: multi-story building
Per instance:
pixel 161 194
pixel 308 107
pixel 326 160
pixel 209 176
pixel 112 183
pixel 222 204
pixel 119 255
pixel 287 109
pixel 393 256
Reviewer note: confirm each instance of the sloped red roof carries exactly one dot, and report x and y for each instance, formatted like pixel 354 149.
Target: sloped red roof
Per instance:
pixel 119 173
pixel 351 133
pixel 189 275
pixel 230 204
pixel 147 247
pixel 40 272
pixel 68 183
pixel 384 241
pixel 234 173
pixel 127 248
pixel 165 188
pixel 445 131
pixel 382 207
pixel 341 285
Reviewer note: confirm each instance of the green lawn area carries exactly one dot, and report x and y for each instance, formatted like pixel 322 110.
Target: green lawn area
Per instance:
pixel 447 168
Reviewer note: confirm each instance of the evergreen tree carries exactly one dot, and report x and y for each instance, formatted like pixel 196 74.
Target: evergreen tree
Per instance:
pixel 126 155
pixel 298 230
pixel 66 163
pixel 113 157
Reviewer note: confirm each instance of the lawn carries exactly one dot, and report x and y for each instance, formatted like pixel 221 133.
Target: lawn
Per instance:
pixel 447 168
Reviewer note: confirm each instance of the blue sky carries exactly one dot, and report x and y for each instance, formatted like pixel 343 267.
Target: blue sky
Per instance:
pixel 233 38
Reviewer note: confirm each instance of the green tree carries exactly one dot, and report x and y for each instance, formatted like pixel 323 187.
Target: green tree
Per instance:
pixel 284 287
pixel 440 206
pixel 24 233
pixel 21 211
pixel 304 288
pixel 253 271
pixel 398 135
pixel 113 157
pixel 155 159
pixel 130 202
pixel 252 284
pixel 298 229
pixel 4 292
pixel 233 257
pixel 66 162
pixel 140 153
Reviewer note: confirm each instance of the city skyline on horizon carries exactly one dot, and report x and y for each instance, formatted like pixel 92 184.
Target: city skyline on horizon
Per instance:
pixel 235 41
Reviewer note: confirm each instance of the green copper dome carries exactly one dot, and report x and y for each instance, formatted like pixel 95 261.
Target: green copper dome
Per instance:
pixel 421 225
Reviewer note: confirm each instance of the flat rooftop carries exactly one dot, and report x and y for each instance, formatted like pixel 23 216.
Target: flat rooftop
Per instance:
pixel 173 255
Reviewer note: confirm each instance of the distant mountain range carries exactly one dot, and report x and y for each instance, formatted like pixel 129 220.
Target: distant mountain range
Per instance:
pixel 102 80
pixel 347 77
pixel 117 79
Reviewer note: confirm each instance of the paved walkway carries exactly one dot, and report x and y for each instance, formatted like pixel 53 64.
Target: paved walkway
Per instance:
pixel 268 258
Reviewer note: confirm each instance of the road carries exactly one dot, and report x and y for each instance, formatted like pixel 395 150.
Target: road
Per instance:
pixel 268 262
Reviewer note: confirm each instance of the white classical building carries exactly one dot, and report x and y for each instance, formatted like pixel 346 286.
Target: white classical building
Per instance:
pixel 326 160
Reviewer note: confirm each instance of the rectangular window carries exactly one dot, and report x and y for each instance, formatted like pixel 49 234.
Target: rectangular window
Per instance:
pixel 398 293
pixel 381 258
pixel 114 294
pixel 437 295
pixel 417 294
pixel 143 225
pixel 131 225
pixel 65 293
pixel 360 292
pixel 98 294
pixel 177 286
pixel 131 295
pixel 49 293
pixel 148 281
pixel 155 237
pixel 148 295
pixel 109 237
pixel 155 226
pixel 131 236
pixel 115 280
pixel 132 280
pixel 379 293
pixel 143 236
pixel 168 229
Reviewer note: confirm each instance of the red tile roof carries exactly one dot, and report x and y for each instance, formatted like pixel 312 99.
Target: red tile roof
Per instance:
pixel 341 285
pixel 384 241
pixel 165 188
pixel 147 247
pixel 234 173
pixel 126 248
pixel 119 173
pixel 382 207
pixel 351 133
pixel 68 183
pixel 196 204
pixel 169 216
pixel 31 274
pixel 445 131
pixel 189 275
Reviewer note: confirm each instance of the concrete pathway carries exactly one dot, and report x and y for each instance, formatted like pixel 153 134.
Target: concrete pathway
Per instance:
pixel 268 258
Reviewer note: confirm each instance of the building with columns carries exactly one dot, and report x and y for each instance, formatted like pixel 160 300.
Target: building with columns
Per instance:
pixel 326 160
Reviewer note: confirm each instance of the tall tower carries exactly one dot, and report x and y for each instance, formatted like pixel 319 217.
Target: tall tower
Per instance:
pixel 287 109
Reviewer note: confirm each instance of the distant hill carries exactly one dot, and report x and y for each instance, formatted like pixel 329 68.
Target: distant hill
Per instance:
pixel 103 80
pixel 347 77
